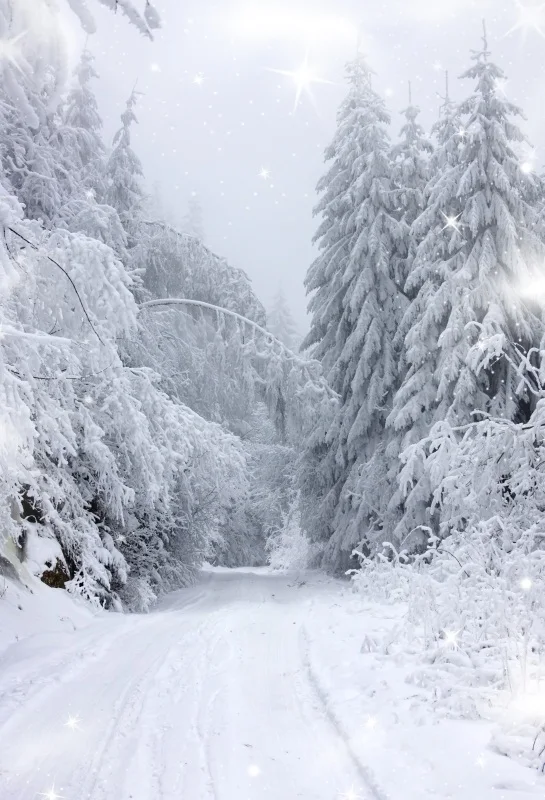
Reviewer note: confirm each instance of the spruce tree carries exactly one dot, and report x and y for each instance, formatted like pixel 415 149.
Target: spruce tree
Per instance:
pixel 411 157
pixel 125 192
pixel 80 117
pixel 477 249
pixel 356 309
pixel 80 147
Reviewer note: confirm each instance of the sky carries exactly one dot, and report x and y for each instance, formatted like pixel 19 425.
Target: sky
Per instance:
pixel 218 115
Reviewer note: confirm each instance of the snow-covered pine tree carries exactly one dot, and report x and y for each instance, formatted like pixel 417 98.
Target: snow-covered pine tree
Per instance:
pixel 411 169
pixel 82 154
pixel 478 249
pixel 411 157
pixel 125 192
pixel 281 323
pixel 356 308
pixel 80 116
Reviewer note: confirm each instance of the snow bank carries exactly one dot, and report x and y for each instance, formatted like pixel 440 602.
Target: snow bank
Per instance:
pixel 393 705
pixel 31 608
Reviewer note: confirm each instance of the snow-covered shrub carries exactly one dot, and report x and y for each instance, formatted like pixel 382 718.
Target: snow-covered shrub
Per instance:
pixel 289 548
pixel 475 595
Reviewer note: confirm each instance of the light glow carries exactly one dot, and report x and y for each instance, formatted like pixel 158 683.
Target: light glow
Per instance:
pixel 371 723
pixel 10 50
pixel 526 584
pixel 265 173
pixel 533 288
pixel 452 222
pixel 198 80
pixel 451 638
pixel 530 18
pixel 350 794
pixel 303 78
pixel 72 723
pixel 253 771
pixel 51 794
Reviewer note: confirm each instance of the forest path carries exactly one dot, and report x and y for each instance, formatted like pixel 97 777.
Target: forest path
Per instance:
pixel 210 697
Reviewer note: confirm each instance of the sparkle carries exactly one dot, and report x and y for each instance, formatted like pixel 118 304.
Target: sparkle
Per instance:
pixel 452 222
pixel 10 50
pixel 438 66
pixel 51 794
pixel 500 86
pixel 72 723
pixel 480 762
pixel 371 723
pixel 198 80
pixel 303 79
pixel 530 18
pixel 350 794
pixel 121 539
pixel 451 638
pixel 253 771
pixel 265 173
pixel 462 133
pixel 527 167
pixel 155 68
pixel 526 584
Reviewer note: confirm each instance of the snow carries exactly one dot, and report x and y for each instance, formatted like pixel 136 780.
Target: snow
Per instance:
pixel 249 685
pixel 30 610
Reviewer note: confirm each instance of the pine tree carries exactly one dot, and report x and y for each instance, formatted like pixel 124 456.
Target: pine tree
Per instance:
pixel 82 155
pixel 81 117
pixel 411 173
pixel 125 192
pixel 356 308
pixel 477 249
pixel 280 321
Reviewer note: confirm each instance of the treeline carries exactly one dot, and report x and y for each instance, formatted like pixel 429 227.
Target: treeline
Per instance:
pixel 427 315
pixel 136 441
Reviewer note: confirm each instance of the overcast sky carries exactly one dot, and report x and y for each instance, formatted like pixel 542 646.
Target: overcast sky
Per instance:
pixel 214 135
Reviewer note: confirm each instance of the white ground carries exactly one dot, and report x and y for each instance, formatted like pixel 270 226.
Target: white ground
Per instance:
pixel 246 687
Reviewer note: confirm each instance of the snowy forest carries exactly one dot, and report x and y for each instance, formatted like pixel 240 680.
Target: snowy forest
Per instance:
pixel 156 416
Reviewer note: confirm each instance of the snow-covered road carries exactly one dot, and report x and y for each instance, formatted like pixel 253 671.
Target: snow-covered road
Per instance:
pixel 210 697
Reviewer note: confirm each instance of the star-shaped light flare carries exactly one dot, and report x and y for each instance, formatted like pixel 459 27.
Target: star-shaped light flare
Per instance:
pixel 72 723
pixel 451 638
pixel 303 78
pixel 531 17
pixel 452 222
pixel 51 794
pixel 265 173
pixel 10 50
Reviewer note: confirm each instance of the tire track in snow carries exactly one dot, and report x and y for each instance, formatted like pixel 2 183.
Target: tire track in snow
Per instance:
pixel 222 643
pixel 366 775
